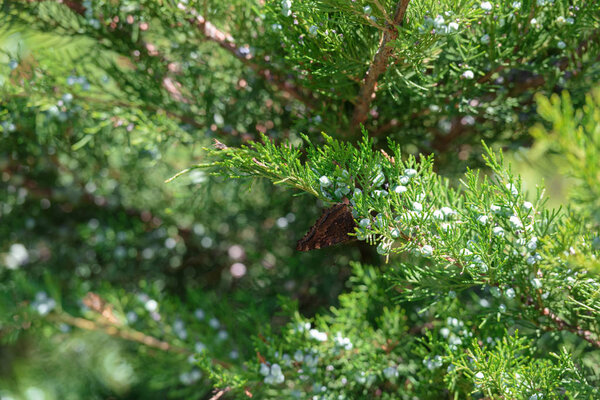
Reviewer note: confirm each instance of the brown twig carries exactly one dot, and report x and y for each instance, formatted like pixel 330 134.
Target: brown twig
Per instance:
pixel 115 331
pixel 562 325
pixel 559 323
pixel 218 393
pixel 226 41
pixel 442 141
pixel 124 333
pixel 378 66
pixel 171 86
pixel 75 6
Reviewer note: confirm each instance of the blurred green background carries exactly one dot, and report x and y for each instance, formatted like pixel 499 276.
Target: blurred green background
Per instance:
pixel 93 210
pixel 85 148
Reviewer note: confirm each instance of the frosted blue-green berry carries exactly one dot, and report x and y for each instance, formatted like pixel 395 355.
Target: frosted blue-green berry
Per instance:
pixel 512 189
pixel 325 181
pixel 383 248
pixel 399 189
pixel 427 250
pixel 410 172
pixel 515 222
pixel 379 179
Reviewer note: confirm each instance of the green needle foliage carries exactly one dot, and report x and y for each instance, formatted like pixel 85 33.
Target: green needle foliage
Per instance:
pixel 457 282
pixel 482 252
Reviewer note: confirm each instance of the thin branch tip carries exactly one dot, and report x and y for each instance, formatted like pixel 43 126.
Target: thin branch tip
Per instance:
pixel 177 175
pixel 378 66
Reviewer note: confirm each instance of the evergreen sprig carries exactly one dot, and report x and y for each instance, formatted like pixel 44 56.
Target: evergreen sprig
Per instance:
pixel 485 235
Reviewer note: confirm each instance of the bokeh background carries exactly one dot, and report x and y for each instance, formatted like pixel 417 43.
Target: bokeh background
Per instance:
pixel 101 102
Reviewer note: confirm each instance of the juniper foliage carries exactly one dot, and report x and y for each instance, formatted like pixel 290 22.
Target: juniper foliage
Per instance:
pixel 482 252
pixel 461 282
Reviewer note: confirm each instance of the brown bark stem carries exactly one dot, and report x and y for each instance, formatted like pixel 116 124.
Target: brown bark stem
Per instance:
pixel 562 325
pixel 378 66
pixel 113 330
pixel 124 333
pixel 226 42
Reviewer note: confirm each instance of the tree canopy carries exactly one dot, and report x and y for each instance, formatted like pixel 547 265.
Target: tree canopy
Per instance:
pixel 152 158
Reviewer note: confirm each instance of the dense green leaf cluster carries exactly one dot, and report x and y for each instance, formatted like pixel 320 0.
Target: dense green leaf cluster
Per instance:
pixel 483 252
